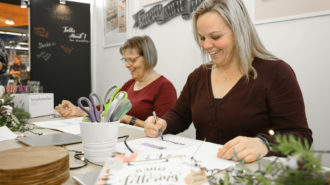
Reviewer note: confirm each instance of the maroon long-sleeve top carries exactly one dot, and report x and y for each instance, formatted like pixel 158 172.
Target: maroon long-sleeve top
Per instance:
pixel 272 101
pixel 159 96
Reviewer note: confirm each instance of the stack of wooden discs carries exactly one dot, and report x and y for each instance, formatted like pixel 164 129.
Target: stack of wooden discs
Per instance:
pixel 34 165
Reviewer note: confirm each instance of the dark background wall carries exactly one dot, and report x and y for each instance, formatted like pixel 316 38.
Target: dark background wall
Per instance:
pixel 60 48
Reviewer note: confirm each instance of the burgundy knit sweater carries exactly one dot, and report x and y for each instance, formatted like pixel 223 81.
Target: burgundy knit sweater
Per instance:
pixel 272 101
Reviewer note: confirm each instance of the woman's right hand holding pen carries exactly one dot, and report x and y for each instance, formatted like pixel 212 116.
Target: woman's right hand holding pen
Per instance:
pixel 151 127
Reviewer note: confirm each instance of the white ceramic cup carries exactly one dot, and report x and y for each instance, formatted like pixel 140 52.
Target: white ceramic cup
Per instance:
pixel 99 140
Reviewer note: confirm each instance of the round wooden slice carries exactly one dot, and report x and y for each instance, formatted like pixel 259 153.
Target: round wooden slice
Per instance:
pixel 34 165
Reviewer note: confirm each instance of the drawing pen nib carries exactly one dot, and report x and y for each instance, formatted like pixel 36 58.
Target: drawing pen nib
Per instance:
pixel 161 133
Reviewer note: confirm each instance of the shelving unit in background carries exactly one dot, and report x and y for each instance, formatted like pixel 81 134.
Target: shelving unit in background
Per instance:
pixel 19 46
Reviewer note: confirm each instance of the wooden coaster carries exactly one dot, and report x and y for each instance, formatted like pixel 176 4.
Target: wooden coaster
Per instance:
pixel 34 165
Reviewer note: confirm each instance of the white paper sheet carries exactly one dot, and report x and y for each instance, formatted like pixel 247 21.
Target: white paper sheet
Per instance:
pixel 6 134
pixel 207 155
pixel 131 126
pixel 71 125
pixel 170 142
pixel 204 152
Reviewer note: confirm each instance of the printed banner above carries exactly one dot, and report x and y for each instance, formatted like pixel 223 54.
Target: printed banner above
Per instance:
pixel 161 14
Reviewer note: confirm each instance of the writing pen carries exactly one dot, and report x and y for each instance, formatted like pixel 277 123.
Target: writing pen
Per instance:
pixel 160 129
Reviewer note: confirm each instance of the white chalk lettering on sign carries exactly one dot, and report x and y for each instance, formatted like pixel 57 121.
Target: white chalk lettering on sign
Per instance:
pixel 78 37
pixel 68 29
pixel 81 36
pixel 44 55
pixel 86 41
pixel 46 45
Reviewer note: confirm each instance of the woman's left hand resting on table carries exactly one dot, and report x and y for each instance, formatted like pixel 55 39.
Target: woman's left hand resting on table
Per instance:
pixel 248 149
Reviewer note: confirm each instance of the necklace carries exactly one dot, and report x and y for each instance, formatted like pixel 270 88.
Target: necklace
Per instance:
pixel 225 78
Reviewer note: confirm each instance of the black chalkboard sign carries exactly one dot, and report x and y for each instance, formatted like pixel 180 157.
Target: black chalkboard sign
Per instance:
pixel 60 48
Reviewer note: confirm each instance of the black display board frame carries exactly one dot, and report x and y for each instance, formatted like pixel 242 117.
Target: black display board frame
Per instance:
pixel 60 48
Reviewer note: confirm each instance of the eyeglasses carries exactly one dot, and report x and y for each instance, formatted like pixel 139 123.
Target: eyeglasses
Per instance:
pixel 130 60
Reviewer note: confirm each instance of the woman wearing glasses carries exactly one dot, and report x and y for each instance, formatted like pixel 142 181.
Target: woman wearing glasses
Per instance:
pixel 147 90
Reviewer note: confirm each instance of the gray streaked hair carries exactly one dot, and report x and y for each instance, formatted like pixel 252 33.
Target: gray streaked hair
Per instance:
pixel 247 42
pixel 145 47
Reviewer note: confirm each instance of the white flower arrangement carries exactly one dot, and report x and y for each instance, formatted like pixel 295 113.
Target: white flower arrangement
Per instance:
pixel 15 119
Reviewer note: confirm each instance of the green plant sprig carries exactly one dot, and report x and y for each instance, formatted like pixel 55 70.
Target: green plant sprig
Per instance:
pixel 306 170
pixel 16 119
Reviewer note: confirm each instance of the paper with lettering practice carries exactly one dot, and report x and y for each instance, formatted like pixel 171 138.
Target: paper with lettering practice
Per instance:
pixel 170 142
pixel 174 145
pixel 6 134
pixel 174 171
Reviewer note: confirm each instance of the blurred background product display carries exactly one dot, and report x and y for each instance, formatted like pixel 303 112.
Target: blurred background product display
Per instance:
pixel 14 40
pixel 3 64
pixel 37 47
